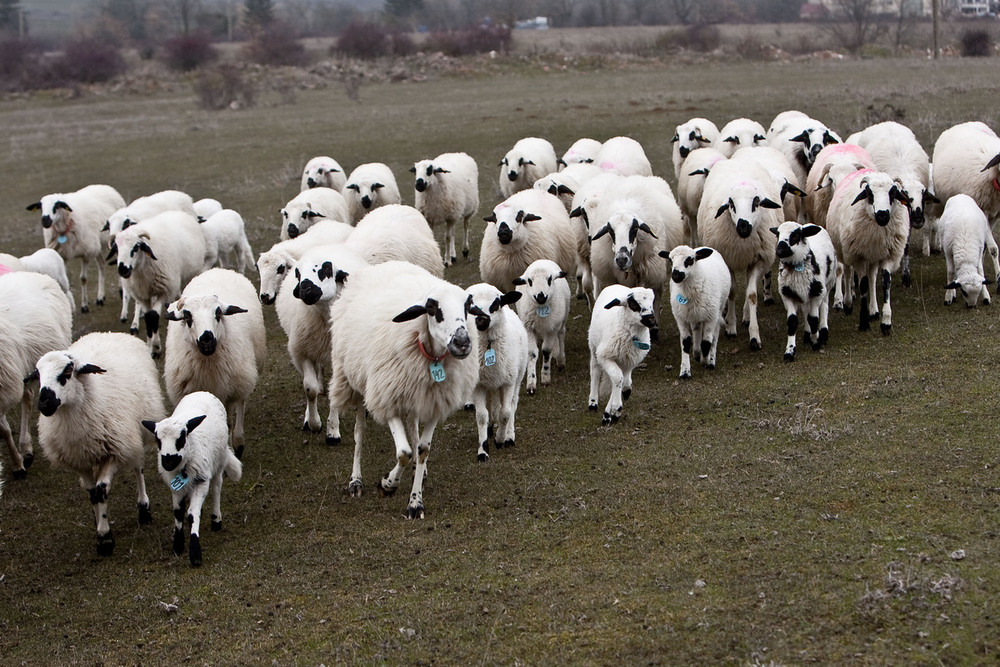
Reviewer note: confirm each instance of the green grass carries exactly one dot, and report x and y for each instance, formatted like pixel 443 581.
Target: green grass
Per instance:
pixel 794 513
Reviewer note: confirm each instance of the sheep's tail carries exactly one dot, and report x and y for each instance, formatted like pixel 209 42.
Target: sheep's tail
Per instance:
pixel 234 469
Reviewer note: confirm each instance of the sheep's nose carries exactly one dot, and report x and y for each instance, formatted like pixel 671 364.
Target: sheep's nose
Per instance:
pixel 504 234
pixel 293 231
pixel 684 151
pixel 882 218
pixel 815 150
pixel 206 343
pixel 743 228
pixel 124 271
pixel 48 402
pixel 309 292
pixel 311 182
pixel 366 201
pixel 267 299
pixel 460 344
pixel 47 221
pixel 541 298
pixel 420 185
pixel 170 461
pixel 783 250
pixel 623 259
pixel 917 218
pixel 677 276
pixel 512 175
pixel 482 322
pixel 648 320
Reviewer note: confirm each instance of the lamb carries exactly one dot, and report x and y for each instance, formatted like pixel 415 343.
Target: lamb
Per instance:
pixel 966 158
pixel 224 234
pixel 503 342
pixel 35 317
pixel 699 287
pixel 623 156
pixel 311 206
pixel 100 375
pixel 739 133
pixel 807 276
pixel 71 225
pixel 829 168
pixel 157 257
pixel 690 136
pixel 965 235
pixel 45 261
pixel 691 185
pixel 528 225
pixel 446 191
pixel 738 208
pixel 583 151
pixel 323 171
pixel 401 351
pixel 216 342
pixel 369 186
pixel 207 207
pixel 544 315
pixel 800 140
pixel 273 265
pixel 194 457
pixel 619 341
pixel 320 272
pixel 869 232
pixel 529 159
pixel 565 182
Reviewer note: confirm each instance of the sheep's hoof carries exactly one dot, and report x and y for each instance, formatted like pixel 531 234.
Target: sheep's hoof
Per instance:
pixel 454 260
pixel 824 336
pixel 178 541
pixel 685 375
pixel 906 280
pixel 886 329
pixel 506 443
pixel 947 302
pixel 626 393
pixel 133 330
pixel 384 489
pixel 730 335
pixel 28 459
pixel 483 457
pixel 789 356
pixel 145 516
pixel 768 301
pixel 306 427
pixel 754 345
pixel 100 302
pixel 710 367
pixel 817 346
pixel 216 525
pixel 354 488
pixel 194 551
pixel 84 309
pixel 105 544
pixel 531 391
pixel 332 440
pixel 592 407
pixel 123 320
pixel 608 419
pixel 20 474
pixel 968 307
pixel 465 253
pixel 415 511
pixel 154 355
pixel 239 452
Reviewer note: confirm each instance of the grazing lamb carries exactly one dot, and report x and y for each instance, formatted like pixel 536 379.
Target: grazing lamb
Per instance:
pixel 966 161
pixel 310 207
pixel 71 225
pixel 544 313
pixel 739 133
pixel 619 341
pixel 690 136
pixel 529 225
pixel 45 261
pixel 529 159
pixel 93 397
pixel 323 172
pixel 401 351
pixel 699 288
pixel 565 182
pixel 691 185
pixel 807 276
pixel 503 362
pixel 868 224
pixel 206 208
pixel 216 342
pixel 193 443
pixel 446 192
pixel 225 234
pixel 829 168
pixel 623 156
pixel 156 258
pixel 369 186
pixel 965 236
pixel 273 265
pixel 35 318
pixel 583 151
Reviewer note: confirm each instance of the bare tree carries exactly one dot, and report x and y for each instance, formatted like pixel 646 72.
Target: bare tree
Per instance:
pixel 640 8
pixel 684 11
pixel 856 23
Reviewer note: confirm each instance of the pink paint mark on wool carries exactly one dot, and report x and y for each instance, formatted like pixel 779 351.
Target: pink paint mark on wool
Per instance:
pixel 5 269
pixel 848 184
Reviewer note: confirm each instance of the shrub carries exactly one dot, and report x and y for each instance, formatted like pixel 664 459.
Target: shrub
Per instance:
pixel 403 44
pixel 702 38
pixel 222 87
pixel 276 44
pixel 975 43
pixel 362 39
pixel 17 57
pixel 187 52
pixel 87 60
pixel 480 39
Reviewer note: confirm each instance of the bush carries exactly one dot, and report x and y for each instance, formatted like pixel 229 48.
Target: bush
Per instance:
pixel 276 44
pixel 362 39
pixel 975 43
pixel 18 57
pixel 187 52
pixel 480 39
pixel 222 88
pixel 87 60
pixel 702 38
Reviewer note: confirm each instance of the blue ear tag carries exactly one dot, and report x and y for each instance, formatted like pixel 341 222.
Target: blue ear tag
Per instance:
pixel 61 239
pixel 639 344
pixel 681 299
pixel 490 357
pixel 800 267
pixel 179 482
pixel 543 311
pixel 437 371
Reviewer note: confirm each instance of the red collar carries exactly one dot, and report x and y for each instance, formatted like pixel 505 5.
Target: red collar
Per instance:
pixel 423 351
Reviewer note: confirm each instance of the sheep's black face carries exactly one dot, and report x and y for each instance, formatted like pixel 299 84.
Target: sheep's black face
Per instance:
pixel 917 217
pixel 293 231
pixel 623 259
pixel 743 228
pixel 170 461
pixel 366 202
pixel 206 343
pixel 648 321
pixel 311 182
pixel 505 234
pixel 783 250
pixel 684 151
pixel 541 298
pixel 48 402
pixel 46 221
pixel 420 185
pixel 124 271
pixel 267 299
pixel 678 276
pixel 309 292
pixel 882 217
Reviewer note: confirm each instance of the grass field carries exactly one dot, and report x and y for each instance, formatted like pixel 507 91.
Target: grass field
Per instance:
pixel 761 513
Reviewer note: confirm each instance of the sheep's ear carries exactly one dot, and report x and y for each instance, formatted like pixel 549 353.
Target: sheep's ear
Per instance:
pixel 811 230
pixel 774 230
pixel 699 172
pixel 862 196
pixel 413 169
pixel 564 190
pixel 441 170
pixel 702 253
pixel 722 209
pixel 194 421
pixel 953 285
pixel 664 254
pixel 992 163
pixel 353 186
pixel 895 192
pixel 411 313
pixel 510 297
pixel 674 139
pixel 492 217
pixel 34 207
pixel 758 137
pixel 32 376
pixel 143 246
pixel 561 162
pixel 233 310
pixel 325 271
pixel 928 197
pixel 829 138
pixel 611 304
pixel 562 274
pixel 601 232
pixel 314 214
pixel 340 277
pixel 576 212
pixel 110 259
pixel 62 205
pixel 149 425
pixel 87 369
pixel 530 217
pixel 767 203
pixel 791 188
pixel 519 281
pixel 172 315
pixel 803 137
pixel 644 227
pixel 107 226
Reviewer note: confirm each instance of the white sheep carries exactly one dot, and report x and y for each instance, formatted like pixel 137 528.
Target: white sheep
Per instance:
pixel 35 318
pixel 544 312
pixel 446 192
pixel 207 207
pixel 691 185
pixel 216 342
pixel 565 182
pixel 688 137
pixel 966 158
pixel 225 235
pixel 401 351
pixel 72 224
pixel 807 276
pixel 194 456
pixel 273 266
pixel 503 362
pixel 583 151
pixel 623 156
pixel 528 160
pixel 310 207
pixel 782 120
pixel 584 205
pixel 93 398
pixel 321 271
pixel 369 186
pixel 397 232
pixel 739 133
pixel 830 167
pixel 528 225
pixel 323 171
pixel 699 287
pixel 45 261
pixel 800 140
pixel 868 223
pixel 619 340
pixel 782 173
pixel 157 257
pixel 965 236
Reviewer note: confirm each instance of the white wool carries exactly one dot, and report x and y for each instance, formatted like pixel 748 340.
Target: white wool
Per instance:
pixel 691 185
pixel 45 261
pixel 323 171
pixel 585 202
pixel 961 155
pixel 782 174
pixel 544 310
pixel 699 288
pixel 583 151
pixel 965 236
pixel 225 235
pixel 207 207
pixel 310 207
pixel 739 133
pixel 446 192
pixel 829 168
pixel 690 136
pixel 782 120
pixel 623 156
pixel 528 160
pixel 369 186
pixel 567 181
pixel 142 208
pixel 396 232
pixel 274 265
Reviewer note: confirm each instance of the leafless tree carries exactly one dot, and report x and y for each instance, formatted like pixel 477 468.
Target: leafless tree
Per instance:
pixel 855 23
pixel 685 11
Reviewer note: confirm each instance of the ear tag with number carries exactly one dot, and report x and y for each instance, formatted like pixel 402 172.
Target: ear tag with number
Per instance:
pixel 543 311
pixel 490 357
pixel 639 345
pixel 61 239
pixel 437 371
pixel 179 482
pixel 681 299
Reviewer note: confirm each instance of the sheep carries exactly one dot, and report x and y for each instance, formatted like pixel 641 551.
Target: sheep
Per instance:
pixel 699 287
pixel 93 397
pixel 194 455
pixel 401 351
pixel 323 171
pixel 965 235
pixel 544 315
pixel 782 173
pixel 807 276
pixel 739 206
pixel 565 182
pixel 45 261
pixel 619 340
pixel 830 167
pixel 800 140
pixel 397 232
pixel 966 158
pixel 503 342
pixel 206 208
pixel 869 232
pixel 71 225
pixel 311 206
pixel 583 151
pixel 206 350
pixel 528 160
pixel 224 234
pixel 584 205
pixel 528 225
pixel 320 272
pixel 273 265
pixel 739 133
pixel 35 317
pixel 690 136
pixel 446 191
pixel 157 257
pixel 369 186
pixel 623 156
pixel 691 185
pixel 782 121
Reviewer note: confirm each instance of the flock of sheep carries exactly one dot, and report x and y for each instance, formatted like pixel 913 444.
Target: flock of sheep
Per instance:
pixel 357 281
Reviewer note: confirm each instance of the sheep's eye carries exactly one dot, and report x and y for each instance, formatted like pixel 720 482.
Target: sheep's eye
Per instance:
pixel 529 282
pixel 298 276
pixel 688 261
pixel 218 314
pixel 550 280
pixel 280 269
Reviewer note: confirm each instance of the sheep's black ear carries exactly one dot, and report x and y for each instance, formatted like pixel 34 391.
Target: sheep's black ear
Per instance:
pixel 34 207
pixel 411 313
pixel 530 217
pixel 564 190
pixel 900 196
pixel 143 246
pixel 758 137
pixel 953 285
pixel 702 253
pixel 492 217
pixel 767 203
pixel 664 254
pixel 811 230
pixel 110 259
pixel 774 230
pixel 791 188
pixel 644 227
pixel 233 310
pixel 150 425
pixel 194 421
pixel 413 169
pixel 61 204
pixel 804 137
pixel 510 297
pixel 32 376
pixel 519 281
pixel 611 304
pixel 722 209
pixel 107 226
pixel 86 369
pixel 606 229
pixel 862 196
pixel 992 163
pixel 562 274
pixel 314 214
pixel 698 172
pixel 829 139
pixel 173 316
pixel 928 197
pixel 675 138
pixel 576 212
pixel 354 186
pixel 340 277
pixel 561 161
pixel 441 170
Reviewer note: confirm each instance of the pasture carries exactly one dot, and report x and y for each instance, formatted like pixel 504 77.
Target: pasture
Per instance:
pixel 763 512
